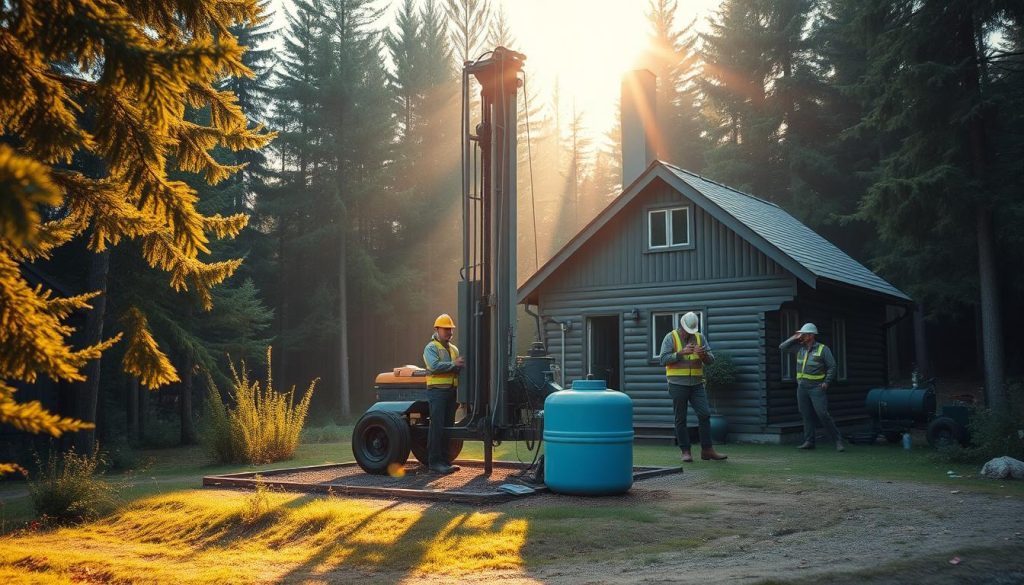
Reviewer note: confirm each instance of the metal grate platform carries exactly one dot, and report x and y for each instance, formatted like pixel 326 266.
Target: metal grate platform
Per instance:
pixel 468 485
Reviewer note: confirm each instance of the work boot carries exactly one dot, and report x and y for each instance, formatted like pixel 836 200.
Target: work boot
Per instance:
pixel 687 457
pixel 839 446
pixel 444 469
pixel 806 445
pixel 709 454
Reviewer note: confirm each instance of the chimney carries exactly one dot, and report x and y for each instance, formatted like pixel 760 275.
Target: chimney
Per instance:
pixel 638 123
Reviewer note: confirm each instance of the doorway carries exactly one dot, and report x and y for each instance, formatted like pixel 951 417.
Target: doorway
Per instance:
pixel 604 350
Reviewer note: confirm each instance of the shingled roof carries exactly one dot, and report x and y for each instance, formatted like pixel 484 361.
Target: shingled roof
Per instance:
pixel 768 227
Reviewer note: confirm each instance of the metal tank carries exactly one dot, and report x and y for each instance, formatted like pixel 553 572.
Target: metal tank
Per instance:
pixel 588 431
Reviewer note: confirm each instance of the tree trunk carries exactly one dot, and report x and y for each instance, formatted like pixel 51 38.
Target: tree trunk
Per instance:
pixel 188 427
pixel 991 315
pixel 133 409
pixel 988 281
pixel 89 391
pixel 343 388
pixel 921 343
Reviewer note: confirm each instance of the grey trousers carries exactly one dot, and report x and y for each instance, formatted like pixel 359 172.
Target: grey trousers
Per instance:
pixel 442 414
pixel 811 400
pixel 698 399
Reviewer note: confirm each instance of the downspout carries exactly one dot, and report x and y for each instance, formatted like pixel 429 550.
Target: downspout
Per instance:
pixel 563 326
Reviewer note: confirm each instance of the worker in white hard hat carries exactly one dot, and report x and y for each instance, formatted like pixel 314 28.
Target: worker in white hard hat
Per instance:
pixel 816 369
pixel 684 351
pixel 443 362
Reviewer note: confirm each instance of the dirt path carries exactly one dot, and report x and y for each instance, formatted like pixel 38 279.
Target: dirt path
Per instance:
pixel 851 531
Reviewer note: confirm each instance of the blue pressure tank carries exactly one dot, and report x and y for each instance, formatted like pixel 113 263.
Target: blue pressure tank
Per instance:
pixel 588 431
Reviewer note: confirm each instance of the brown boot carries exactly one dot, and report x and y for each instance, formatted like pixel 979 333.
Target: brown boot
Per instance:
pixel 806 445
pixel 710 454
pixel 687 457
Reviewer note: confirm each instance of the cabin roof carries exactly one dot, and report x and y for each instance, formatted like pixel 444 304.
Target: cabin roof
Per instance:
pixel 799 249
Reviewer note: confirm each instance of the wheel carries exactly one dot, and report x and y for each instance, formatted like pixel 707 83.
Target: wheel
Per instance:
pixel 380 439
pixel 419 446
pixel 945 431
pixel 893 437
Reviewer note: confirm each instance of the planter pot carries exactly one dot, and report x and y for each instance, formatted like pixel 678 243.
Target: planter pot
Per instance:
pixel 719 428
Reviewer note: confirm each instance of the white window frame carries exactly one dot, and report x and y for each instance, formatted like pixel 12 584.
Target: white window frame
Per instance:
pixel 670 243
pixel 657 339
pixel 839 346
pixel 789 321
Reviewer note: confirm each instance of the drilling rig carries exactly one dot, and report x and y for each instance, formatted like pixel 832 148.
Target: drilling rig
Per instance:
pixel 501 395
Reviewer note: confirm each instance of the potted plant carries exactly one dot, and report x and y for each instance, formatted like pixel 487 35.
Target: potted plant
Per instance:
pixel 718 375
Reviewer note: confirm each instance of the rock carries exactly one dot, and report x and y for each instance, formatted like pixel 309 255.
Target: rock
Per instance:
pixel 1003 468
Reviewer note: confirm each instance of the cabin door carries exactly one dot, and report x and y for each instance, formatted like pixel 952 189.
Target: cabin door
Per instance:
pixel 604 349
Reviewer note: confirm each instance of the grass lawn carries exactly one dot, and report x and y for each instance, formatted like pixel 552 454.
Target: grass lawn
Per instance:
pixel 171 530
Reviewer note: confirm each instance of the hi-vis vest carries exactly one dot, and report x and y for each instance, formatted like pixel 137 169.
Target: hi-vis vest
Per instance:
pixel 444 378
pixel 801 375
pixel 691 364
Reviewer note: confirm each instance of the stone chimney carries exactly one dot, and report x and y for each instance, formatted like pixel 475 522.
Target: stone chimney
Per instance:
pixel 638 123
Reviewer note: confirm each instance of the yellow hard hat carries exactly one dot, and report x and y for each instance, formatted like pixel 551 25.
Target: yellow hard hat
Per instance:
pixel 444 320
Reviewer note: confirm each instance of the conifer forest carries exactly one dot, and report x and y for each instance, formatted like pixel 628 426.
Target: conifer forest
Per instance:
pixel 185 184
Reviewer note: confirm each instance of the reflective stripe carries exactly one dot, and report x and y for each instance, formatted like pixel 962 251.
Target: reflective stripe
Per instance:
pixel 815 377
pixel 691 369
pixel 444 378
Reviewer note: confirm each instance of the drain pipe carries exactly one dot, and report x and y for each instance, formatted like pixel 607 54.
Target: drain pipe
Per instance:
pixel 563 326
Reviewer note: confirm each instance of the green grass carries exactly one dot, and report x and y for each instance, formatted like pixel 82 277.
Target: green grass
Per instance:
pixel 754 466
pixel 168 526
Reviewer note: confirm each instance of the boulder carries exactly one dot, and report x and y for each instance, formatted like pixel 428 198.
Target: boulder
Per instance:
pixel 1003 468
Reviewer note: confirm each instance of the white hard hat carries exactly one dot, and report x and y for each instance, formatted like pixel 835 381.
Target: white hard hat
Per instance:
pixel 808 328
pixel 690 322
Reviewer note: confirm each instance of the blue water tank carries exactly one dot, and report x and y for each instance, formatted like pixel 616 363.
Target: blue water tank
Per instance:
pixel 588 431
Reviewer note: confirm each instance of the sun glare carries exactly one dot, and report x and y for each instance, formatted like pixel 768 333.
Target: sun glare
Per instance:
pixel 585 47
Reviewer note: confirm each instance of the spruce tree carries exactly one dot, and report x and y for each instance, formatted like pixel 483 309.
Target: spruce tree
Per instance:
pixel 137 66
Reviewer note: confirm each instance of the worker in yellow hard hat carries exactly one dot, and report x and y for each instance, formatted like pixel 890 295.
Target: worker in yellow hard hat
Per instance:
pixel 443 362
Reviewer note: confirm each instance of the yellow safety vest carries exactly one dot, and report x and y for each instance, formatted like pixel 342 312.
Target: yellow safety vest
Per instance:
pixel 444 378
pixel 804 376
pixel 691 364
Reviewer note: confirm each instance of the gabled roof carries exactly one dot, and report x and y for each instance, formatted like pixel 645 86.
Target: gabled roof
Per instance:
pixel 768 227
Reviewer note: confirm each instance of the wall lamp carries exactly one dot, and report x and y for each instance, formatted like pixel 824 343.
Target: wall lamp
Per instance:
pixel 635 314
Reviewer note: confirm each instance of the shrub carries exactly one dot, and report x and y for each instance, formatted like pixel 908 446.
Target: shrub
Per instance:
pixel 257 504
pixel 993 433
pixel 67 488
pixel 264 426
pixel 719 374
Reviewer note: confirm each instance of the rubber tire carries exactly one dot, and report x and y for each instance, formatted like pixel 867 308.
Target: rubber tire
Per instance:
pixel 944 431
pixel 418 446
pixel 893 437
pixel 380 439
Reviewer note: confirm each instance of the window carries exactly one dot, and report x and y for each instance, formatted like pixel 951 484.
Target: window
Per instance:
pixel 789 322
pixel 662 323
pixel 839 347
pixel 668 228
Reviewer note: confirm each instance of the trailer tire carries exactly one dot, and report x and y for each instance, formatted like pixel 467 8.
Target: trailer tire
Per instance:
pixel 380 440
pixel 946 431
pixel 418 445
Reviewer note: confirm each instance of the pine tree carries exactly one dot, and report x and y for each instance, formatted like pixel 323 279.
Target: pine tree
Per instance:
pixel 941 177
pixel 672 57
pixel 142 64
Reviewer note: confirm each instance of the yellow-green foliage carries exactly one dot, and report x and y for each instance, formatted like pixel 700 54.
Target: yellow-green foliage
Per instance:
pixel 136 66
pixel 264 426
pixel 68 488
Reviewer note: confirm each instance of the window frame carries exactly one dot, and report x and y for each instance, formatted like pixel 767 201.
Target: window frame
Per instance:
pixel 789 320
pixel 839 347
pixel 668 210
pixel 656 339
